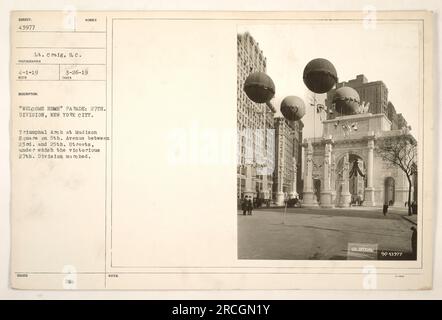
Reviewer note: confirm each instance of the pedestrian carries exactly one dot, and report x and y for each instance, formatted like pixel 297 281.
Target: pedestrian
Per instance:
pixel 244 206
pixel 258 202
pixel 414 242
pixel 249 207
pixel 385 209
pixel 414 207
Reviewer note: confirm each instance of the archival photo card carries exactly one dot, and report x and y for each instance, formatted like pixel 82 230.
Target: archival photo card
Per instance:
pixel 221 150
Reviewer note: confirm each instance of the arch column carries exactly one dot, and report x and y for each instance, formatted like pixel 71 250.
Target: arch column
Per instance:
pixel 293 193
pixel 326 192
pixel 345 198
pixel 369 200
pixel 309 198
pixel 333 178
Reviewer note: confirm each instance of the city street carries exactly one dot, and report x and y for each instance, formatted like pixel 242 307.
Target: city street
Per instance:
pixel 320 234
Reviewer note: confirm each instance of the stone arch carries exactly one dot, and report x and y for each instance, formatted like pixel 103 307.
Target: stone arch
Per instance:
pixel 356 183
pixel 360 153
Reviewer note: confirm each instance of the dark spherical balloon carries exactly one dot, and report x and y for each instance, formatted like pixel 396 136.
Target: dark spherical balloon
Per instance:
pixel 259 87
pixel 292 108
pixel 320 75
pixel 346 100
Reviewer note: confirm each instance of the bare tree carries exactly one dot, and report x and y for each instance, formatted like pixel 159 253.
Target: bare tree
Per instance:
pixel 400 151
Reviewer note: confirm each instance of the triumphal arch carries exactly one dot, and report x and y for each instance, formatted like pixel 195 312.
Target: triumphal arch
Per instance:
pixel 344 168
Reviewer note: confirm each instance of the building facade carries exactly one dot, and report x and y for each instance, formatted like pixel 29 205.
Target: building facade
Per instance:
pixel 401 122
pixel 288 146
pixel 255 127
pixel 343 169
pixel 375 93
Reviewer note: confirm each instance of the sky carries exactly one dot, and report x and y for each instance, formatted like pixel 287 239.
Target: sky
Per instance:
pixel 389 52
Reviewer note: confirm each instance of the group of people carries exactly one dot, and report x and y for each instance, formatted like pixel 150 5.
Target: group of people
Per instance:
pixel 247 205
pixel 293 202
pixel 357 200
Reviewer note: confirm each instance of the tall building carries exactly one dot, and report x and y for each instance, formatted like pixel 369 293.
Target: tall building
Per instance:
pixel 288 145
pixel 375 92
pixel 401 122
pixel 297 152
pixel 392 116
pixel 255 126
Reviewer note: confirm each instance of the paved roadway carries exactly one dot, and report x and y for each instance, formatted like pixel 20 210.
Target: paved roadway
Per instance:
pixel 321 234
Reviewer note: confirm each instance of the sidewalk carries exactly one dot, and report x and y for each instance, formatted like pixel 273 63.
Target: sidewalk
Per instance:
pixel 363 208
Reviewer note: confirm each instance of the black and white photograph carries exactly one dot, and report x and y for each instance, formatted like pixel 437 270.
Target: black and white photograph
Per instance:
pixel 224 150
pixel 328 139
